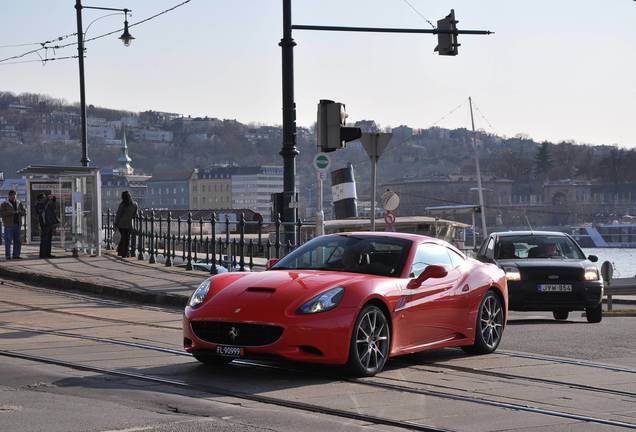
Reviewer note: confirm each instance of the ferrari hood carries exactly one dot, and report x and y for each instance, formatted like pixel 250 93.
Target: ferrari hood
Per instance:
pixel 267 296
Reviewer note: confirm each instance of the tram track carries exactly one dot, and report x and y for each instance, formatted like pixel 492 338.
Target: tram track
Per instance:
pixel 218 391
pixel 378 381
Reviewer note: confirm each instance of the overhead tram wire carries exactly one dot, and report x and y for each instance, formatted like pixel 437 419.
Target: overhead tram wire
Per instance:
pixel 93 38
pixel 43 61
pixel 419 13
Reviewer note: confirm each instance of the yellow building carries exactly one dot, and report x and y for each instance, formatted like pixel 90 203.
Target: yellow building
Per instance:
pixel 211 188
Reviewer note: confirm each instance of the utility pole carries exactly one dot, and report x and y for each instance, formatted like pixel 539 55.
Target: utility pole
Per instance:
pixel 80 57
pixel 479 188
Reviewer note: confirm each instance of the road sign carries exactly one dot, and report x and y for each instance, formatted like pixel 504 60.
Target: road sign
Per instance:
pixel 322 162
pixel 390 200
pixel 322 175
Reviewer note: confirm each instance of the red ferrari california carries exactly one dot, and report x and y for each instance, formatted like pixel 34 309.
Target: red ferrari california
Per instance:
pixel 351 298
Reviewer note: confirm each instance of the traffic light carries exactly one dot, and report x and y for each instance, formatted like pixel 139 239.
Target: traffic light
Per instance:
pixel 331 132
pixel 447 39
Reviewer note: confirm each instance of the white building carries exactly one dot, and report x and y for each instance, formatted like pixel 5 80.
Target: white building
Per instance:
pixel 252 188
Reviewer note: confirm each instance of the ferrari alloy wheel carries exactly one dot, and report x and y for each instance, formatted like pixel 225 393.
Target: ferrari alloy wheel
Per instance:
pixel 211 359
pixel 594 314
pixel 490 325
pixel 370 342
pixel 560 314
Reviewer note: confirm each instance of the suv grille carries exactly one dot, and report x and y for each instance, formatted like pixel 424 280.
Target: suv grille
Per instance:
pixel 541 274
pixel 240 334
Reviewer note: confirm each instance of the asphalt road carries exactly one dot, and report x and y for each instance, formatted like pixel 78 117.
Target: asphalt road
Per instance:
pixel 42 397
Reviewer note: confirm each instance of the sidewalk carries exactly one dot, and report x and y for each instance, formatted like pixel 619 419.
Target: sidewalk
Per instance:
pixel 128 279
pixel 106 275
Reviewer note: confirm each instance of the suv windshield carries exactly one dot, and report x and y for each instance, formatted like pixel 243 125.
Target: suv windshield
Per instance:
pixel 537 246
pixel 384 256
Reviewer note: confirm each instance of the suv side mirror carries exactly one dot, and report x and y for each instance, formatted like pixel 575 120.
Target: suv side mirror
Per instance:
pixel 593 258
pixel 431 272
pixel 270 263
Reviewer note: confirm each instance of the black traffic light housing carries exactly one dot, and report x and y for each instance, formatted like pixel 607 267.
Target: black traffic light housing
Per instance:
pixel 331 132
pixel 447 35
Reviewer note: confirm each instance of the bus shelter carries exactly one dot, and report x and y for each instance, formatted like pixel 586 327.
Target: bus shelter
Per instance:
pixel 77 195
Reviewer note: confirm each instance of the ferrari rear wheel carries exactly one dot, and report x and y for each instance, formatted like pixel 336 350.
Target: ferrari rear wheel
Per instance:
pixel 211 359
pixel 489 328
pixel 560 314
pixel 370 342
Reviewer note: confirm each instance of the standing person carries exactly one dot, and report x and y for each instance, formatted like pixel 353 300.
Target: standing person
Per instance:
pixel 12 211
pixel 126 211
pixel 48 221
pixel 40 206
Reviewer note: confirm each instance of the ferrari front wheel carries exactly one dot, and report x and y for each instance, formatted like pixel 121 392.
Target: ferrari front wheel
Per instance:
pixel 490 325
pixel 370 342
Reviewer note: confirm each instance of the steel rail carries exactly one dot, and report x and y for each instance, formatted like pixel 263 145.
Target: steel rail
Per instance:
pixel 239 395
pixel 370 383
pixel 567 361
pixel 525 378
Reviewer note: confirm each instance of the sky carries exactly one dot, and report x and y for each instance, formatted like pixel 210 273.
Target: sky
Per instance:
pixel 553 70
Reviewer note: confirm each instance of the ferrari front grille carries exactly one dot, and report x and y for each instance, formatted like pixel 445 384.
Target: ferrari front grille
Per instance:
pixel 239 334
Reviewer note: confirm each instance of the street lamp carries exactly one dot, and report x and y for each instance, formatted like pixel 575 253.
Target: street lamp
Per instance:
pixel 126 38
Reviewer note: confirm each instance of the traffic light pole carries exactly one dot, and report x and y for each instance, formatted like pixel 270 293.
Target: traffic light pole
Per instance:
pixel 289 150
pixel 388 30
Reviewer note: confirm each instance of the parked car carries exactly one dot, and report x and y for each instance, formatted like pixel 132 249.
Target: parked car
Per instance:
pixel 546 271
pixel 350 298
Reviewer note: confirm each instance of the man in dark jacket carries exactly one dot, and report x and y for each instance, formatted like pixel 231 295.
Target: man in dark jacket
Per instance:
pixel 12 211
pixel 126 212
pixel 47 217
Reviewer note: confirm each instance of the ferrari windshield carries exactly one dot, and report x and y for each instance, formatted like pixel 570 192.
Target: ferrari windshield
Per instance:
pixel 538 246
pixel 384 256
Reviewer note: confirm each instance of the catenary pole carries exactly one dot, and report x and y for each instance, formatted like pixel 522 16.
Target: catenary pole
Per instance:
pixel 480 189
pixel 80 57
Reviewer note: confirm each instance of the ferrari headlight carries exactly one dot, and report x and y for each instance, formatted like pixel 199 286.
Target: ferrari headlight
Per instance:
pixel 323 302
pixel 591 274
pixel 199 295
pixel 512 273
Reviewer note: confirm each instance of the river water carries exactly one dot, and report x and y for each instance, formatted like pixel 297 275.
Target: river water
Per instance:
pixel 624 260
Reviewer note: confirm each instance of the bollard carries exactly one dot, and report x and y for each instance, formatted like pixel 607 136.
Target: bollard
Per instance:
pixel 277 240
pixel 151 248
pixel 251 252
pixel 242 242
pixel 109 232
pixel 607 271
pixel 213 269
pixel 168 262
pixel 189 262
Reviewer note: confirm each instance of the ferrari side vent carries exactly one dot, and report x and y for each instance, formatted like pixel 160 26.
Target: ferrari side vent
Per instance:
pixel 261 289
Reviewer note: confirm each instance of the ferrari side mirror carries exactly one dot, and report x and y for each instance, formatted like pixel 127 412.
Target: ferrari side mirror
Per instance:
pixel 431 272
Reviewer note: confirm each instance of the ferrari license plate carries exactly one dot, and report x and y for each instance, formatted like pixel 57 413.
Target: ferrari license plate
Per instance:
pixel 555 288
pixel 229 351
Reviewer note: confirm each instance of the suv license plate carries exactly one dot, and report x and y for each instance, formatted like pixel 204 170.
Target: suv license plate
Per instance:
pixel 229 351
pixel 555 288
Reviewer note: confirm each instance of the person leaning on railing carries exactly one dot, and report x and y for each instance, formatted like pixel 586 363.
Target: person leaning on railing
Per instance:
pixel 12 211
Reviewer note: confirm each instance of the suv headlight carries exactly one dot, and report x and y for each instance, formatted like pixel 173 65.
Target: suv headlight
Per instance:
pixel 591 274
pixel 199 295
pixel 322 302
pixel 512 273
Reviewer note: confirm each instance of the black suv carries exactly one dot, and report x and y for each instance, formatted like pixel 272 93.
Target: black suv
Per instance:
pixel 546 271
